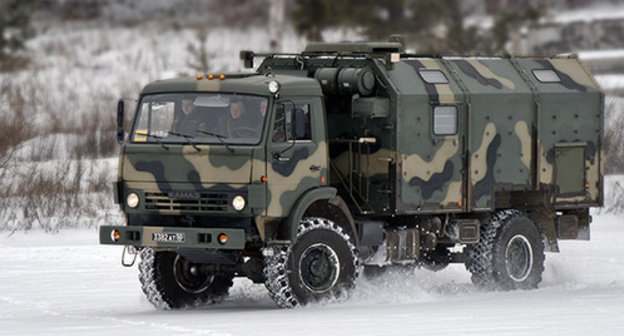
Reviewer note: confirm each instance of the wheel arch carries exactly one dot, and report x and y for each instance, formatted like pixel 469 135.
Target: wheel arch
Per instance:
pixel 321 202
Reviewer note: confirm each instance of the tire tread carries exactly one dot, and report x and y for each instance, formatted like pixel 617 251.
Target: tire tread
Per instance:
pixel 276 268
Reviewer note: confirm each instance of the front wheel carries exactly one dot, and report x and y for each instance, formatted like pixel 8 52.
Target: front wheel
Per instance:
pixel 509 255
pixel 171 281
pixel 323 263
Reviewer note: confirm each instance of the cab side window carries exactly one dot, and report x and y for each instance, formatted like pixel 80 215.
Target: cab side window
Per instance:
pixel 292 122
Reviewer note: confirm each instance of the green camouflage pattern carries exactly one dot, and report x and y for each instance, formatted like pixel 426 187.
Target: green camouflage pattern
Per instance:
pixel 429 168
pixel 514 135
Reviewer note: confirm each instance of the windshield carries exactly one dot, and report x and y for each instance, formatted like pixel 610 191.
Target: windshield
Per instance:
pixel 200 118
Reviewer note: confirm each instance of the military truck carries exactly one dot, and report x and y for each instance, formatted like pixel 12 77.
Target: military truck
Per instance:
pixel 351 157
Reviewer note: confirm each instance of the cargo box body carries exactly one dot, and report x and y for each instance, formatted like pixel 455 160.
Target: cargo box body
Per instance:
pixel 494 126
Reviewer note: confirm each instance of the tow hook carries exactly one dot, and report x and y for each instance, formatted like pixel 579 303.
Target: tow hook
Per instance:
pixel 131 250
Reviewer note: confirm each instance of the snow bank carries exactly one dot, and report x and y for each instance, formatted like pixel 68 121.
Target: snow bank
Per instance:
pixel 69 285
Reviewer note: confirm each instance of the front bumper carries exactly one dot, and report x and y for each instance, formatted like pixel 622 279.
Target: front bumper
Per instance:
pixel 173 237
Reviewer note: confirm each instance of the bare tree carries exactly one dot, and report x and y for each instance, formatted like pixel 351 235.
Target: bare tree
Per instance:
pixel 15 126
pixel 200 57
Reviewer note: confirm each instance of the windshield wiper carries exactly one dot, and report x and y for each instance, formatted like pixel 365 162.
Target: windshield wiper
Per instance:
pixel 186 137
pixel 158 139
pixel 218 136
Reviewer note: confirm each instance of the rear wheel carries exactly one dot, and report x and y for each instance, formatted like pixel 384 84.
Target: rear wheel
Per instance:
pixel 509 255
pixel 171 281
pixel 323 263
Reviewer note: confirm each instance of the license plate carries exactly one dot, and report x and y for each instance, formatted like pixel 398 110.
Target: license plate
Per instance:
pixel 168 237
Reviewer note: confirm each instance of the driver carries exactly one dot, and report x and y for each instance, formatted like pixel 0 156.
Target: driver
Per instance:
pixel 235 123
pixel 189 120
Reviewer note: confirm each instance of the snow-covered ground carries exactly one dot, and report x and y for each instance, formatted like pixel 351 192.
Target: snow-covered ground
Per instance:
pixel 68 284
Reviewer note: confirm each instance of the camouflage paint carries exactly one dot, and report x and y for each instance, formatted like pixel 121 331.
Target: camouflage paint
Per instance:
pixel 522 132
pixel 285 188
pixel 288 180
pixel 431 175
pixel 429 167
pixel 182 163
pixel 498 99
pixel 482 163
pixel 570 111
pixel 483 73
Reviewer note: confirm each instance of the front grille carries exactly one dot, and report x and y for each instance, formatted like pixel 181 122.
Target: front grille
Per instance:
pixel 213 202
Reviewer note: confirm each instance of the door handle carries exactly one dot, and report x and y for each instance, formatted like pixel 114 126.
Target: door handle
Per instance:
pixel 278 157
pixel 315 168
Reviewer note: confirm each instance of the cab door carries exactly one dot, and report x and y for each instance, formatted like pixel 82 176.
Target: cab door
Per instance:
pixel 296 152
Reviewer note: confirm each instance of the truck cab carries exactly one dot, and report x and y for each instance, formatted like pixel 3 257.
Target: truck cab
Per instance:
pixel 232 158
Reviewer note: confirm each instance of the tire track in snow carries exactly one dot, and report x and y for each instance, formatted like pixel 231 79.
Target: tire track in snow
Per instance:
pixel 44 309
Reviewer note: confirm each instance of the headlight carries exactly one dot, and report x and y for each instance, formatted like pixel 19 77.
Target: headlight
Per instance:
pixel 132 200
pixel 238 203
pixel 274 86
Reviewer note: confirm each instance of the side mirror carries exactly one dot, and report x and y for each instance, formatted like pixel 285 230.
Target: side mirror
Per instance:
pixel 120 121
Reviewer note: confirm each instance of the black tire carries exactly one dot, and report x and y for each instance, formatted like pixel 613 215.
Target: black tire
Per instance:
pixel 509 255
pixel 322 264
pixel 170 281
